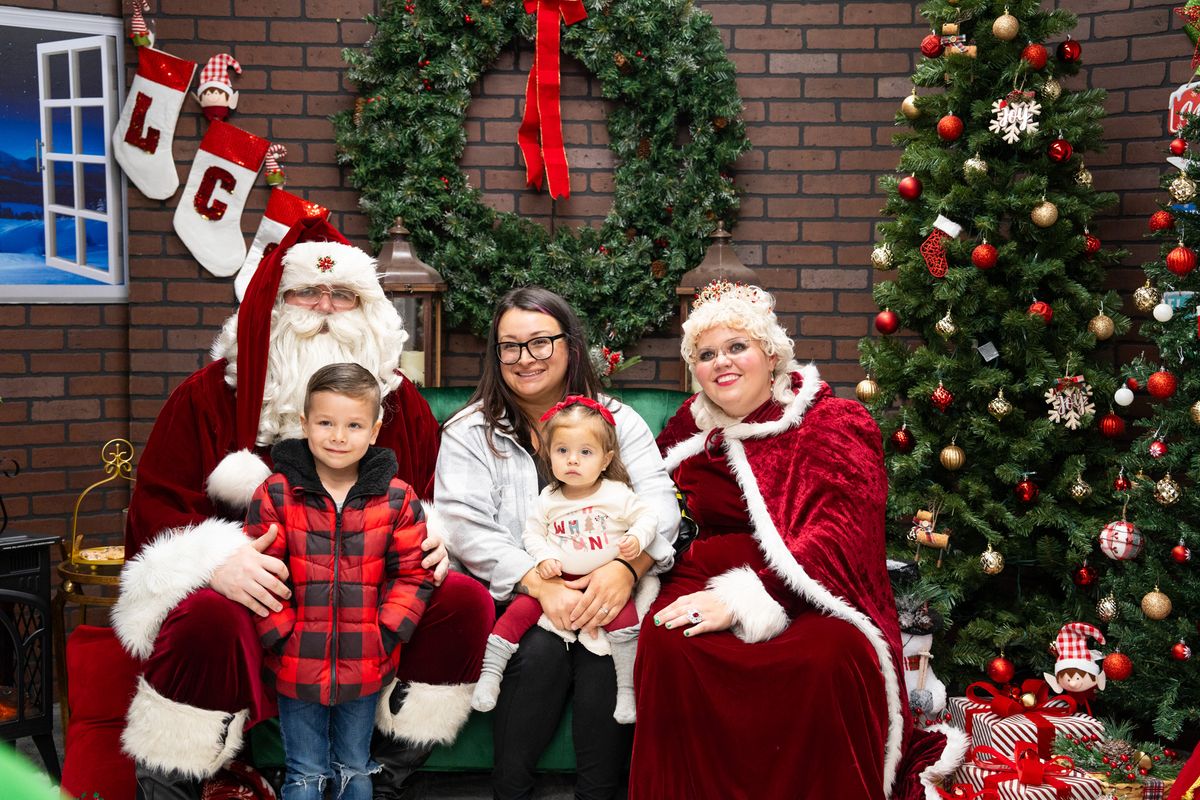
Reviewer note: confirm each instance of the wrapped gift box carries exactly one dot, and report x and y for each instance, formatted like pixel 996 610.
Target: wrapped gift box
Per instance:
pixel 998 720
pixel 1081 785
pixel 1003 733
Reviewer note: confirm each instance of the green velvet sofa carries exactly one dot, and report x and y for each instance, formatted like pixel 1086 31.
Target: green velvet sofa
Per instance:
pixel 472 751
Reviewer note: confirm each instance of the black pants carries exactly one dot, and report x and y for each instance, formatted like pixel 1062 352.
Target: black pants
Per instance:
pixel 537 682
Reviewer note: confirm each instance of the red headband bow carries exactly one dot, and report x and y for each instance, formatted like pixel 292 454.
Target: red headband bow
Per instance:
pixel 572 399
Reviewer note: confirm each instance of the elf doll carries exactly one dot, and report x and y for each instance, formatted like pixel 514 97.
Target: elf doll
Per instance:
pixel 1076 673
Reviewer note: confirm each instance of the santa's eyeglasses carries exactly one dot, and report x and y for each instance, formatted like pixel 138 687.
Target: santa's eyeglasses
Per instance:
pixel 341 298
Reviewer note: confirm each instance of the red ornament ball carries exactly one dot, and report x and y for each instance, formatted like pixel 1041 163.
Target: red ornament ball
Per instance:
pixel 1181 260
pixel 1181 554
pixel 1091 244
pixel 1161 221
pixel 1132 383
pixel 1180 651
pixel 887 321
pixel 1161 384
pixel 949 128
pixel 1060 150
pixel 1035 55
pixel 1178 147
pixel 1042 310
pixel 1001 670
pixel 931 46
pixel 1084 577
pixel 910 188
pixel 1026 491
pixel 941 398
pixel 904 440
pixel 984 256
pixel 1122 484
pixel 1117 666
pixel 1112 426
pixel 1069 51
pixel 1158 448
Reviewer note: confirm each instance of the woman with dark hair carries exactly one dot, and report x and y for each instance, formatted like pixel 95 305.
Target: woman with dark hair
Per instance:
pixel 486 484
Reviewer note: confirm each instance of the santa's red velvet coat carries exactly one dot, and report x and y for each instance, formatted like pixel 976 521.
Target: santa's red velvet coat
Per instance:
pixel 804 696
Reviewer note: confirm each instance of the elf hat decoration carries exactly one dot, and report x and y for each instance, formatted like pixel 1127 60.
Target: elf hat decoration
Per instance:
pixel 217 105
pixel 1073 652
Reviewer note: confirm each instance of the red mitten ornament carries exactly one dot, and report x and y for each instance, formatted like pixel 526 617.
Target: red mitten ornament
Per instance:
pixel 284 209
pixel 933 249
pixel 209 216
pixel 144 133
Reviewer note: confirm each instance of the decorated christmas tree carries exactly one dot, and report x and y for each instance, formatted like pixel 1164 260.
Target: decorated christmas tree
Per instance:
pixel 990 377
pixel 1150 591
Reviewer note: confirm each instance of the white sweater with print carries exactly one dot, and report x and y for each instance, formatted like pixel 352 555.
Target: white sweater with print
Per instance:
pixel 583 533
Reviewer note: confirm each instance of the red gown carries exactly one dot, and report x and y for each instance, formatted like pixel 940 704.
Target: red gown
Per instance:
pixel 798 497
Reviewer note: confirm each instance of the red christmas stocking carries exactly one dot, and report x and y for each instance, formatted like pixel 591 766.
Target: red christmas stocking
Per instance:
pixel 933 249
pixel 284 209
pixel 144 133
pixel 209 216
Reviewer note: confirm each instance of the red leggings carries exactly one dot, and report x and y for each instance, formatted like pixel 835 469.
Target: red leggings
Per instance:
pixel 524 612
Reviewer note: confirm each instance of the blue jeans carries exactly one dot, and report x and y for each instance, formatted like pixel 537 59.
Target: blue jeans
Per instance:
pixel 327 743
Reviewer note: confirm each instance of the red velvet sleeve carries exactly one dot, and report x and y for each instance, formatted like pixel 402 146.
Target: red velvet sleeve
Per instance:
pixel 411 431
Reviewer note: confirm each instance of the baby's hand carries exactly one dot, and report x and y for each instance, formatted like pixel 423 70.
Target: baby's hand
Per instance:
pixel 629 547
pixel 550 568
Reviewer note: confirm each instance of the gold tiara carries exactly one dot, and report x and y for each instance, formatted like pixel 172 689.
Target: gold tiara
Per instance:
pixel 719 290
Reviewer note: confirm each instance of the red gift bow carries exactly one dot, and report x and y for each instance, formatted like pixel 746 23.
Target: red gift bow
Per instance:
pixel 1002 704
pixel 572 399
pixel 1025 767
pixel 543 110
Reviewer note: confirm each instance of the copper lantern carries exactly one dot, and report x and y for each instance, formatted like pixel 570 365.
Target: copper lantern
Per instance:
pixel 416 290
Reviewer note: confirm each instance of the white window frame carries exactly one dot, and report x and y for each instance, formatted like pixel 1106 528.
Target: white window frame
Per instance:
pixel 116 287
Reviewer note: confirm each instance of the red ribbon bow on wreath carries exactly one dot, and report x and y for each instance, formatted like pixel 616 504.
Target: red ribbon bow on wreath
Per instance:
pixel 1003 704
pixel 1024 767
pixel 540 134
pixel 573 399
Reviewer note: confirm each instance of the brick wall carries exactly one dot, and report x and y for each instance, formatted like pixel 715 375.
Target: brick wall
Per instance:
pixel 821 83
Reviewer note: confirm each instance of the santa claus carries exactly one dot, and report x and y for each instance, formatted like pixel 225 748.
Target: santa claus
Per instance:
pixel 192 573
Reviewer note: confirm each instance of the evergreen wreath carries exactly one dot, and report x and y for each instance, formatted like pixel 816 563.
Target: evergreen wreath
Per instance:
pixel 675 129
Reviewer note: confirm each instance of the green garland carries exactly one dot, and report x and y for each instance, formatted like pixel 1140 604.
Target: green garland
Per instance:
pixel 675 128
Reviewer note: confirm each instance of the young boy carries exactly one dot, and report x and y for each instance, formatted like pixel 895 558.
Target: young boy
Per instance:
pixel 350 534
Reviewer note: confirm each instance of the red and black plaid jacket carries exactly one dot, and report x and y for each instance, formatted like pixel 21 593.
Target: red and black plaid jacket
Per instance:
pixel 358 587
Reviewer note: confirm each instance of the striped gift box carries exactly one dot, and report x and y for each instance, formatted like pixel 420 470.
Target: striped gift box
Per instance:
pixel 1083 786
pixel 959 706
pixel 1003 733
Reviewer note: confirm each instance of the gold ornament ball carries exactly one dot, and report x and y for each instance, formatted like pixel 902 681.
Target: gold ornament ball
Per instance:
pixel 1183 188
pixel 999 407
pixel 1195 412
pixel 1083 178
pixel 1101 326
pixel 1107 608
pixel 881 257
pixel 1029 699
pixel 1006 27
pixel 1156 605
pixel 974 167
pixel 953 457
pixel 1044 214
pixel 1167 491
pixel 945 326
pixel 908 107
pixel 1051 89
pixel 1146 297
pixel 991 562
pixel 866 390
pixel 1143 761
pixel 1080 490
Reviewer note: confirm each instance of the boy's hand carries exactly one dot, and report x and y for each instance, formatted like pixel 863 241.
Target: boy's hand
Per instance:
pixel 550 568
pixel 629 547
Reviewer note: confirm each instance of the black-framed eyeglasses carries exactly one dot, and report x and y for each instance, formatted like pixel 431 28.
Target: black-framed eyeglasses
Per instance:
pixel 539 347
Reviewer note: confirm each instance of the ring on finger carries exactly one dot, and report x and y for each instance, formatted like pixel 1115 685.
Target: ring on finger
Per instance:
pixel 694 616
pixel 604 611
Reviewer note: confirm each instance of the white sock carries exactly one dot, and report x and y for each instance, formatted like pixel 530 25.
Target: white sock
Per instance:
pixel 145 132
pixel 495 659
pixel 624 653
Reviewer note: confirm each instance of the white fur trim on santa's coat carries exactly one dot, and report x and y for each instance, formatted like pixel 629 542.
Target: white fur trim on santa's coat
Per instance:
pixel 180 739
pixel 784 563
pixel 431 713
pixel 177 563
pixel 234 480
pixel 756 615
pixel 948 762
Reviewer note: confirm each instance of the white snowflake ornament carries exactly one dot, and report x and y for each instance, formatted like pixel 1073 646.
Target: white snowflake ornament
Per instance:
pixel 1015 116
pixel 1070 400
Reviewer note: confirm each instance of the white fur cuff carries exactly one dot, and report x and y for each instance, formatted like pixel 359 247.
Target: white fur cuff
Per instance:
pixel 948 762
pixel 178 562
pixel 431 713
pixel 171 737
pixel 756 615
pixel 234 480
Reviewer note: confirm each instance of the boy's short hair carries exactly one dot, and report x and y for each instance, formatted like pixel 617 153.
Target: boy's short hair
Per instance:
pixel 351 380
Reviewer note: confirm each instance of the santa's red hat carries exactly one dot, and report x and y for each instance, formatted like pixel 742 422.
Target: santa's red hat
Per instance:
pixel 1072 646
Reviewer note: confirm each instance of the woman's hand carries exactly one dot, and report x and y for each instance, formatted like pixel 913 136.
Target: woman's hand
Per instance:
pixel 606 590
pixel 252 578
pixel 558 600
pixel 714 615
